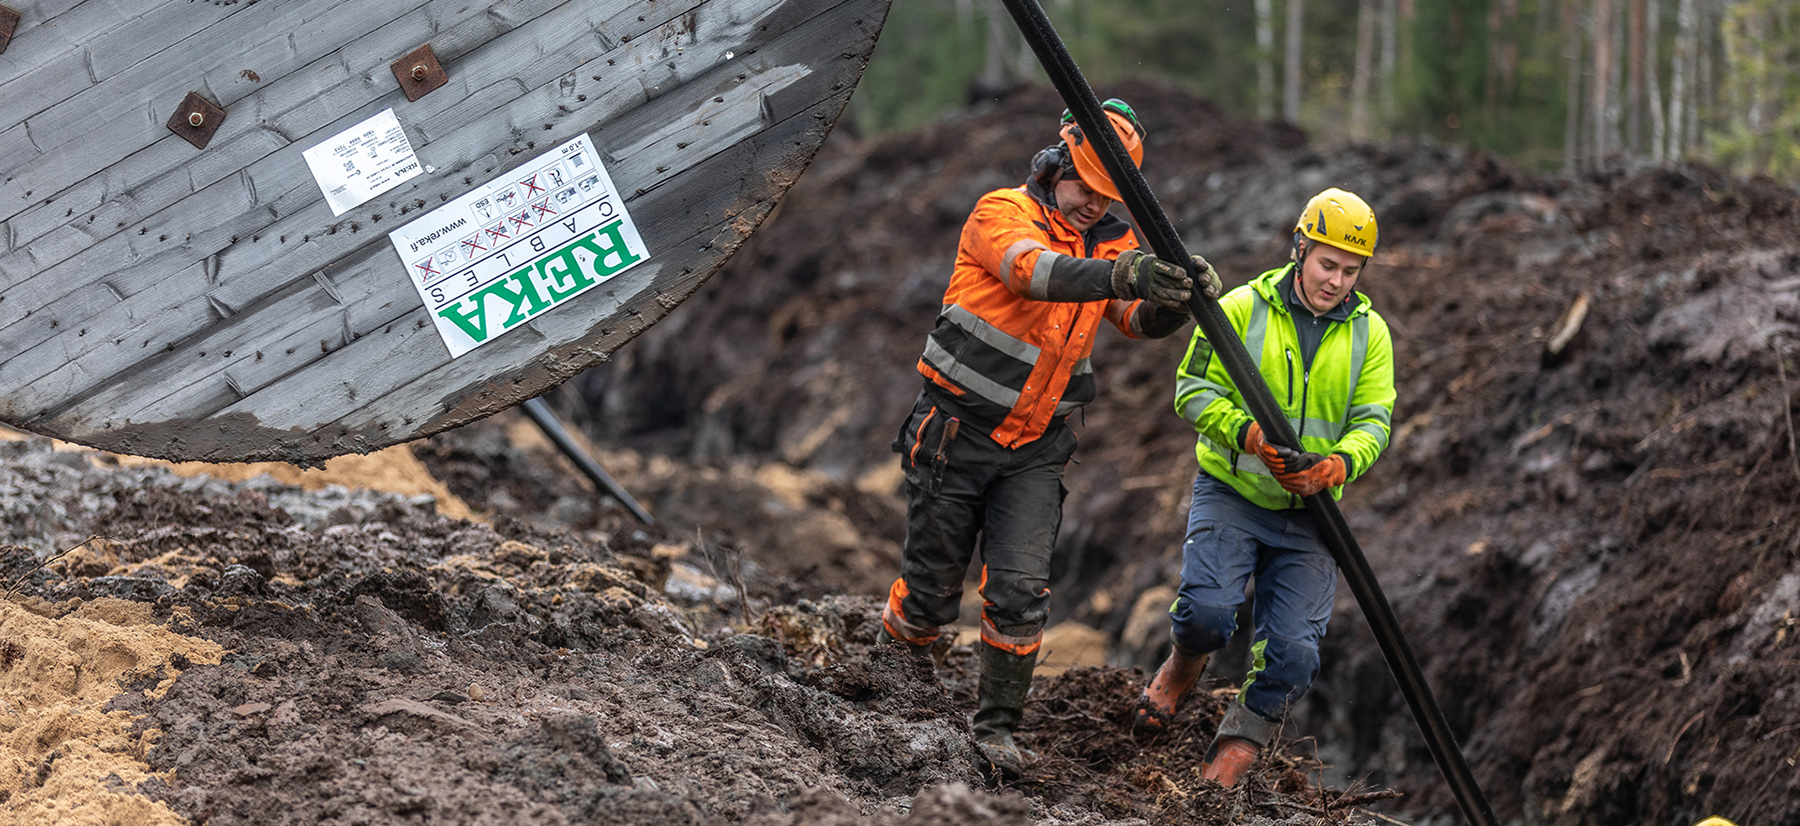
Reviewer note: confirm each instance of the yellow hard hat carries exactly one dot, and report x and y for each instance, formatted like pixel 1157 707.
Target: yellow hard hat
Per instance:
pixel 1340 219
pixel 1085 156
pixel 1715 820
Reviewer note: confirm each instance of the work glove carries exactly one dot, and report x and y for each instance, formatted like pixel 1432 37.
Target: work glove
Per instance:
pixel 1305 473
pixel 1137 275
pixel 1255 446
pixel 1210 285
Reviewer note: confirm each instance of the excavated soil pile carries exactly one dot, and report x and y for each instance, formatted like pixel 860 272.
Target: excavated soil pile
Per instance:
pixel 180 648
pixel 1588 519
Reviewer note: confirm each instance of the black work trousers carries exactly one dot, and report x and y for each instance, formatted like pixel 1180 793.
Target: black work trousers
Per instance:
pixel 964 490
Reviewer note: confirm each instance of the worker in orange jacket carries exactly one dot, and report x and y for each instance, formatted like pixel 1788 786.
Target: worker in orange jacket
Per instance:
pixel 1038 268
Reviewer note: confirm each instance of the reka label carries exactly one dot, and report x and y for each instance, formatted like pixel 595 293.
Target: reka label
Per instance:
pixel 516 247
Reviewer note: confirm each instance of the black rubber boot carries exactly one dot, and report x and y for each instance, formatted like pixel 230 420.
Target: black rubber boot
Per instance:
pixel 1005 680
pixel 882 637
pixel 927 651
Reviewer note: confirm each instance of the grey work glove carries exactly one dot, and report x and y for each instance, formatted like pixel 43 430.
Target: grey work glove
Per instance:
pixel 1136 275
pixel 1210 285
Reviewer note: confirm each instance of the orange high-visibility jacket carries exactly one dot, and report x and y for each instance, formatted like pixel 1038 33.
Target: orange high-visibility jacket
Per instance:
pixel 1016 362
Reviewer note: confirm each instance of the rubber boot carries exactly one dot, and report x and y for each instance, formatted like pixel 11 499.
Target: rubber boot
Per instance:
pixel 1156 705
pixel 882 637
pixel 1242 735
pixel 1227 760
pixel 934 652
pixel 1005 680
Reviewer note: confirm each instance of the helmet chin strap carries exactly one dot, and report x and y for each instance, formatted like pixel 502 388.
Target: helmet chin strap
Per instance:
pixel 1301 250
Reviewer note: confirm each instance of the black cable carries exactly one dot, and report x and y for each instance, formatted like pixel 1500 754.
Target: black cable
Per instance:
pixel 552 426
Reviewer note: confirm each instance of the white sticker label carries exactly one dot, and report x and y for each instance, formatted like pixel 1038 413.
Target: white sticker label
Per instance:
pixel 362 162
pixel 519 245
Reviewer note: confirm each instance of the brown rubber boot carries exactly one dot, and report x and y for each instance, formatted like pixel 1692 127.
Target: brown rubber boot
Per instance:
pixel 1228 759
pixel 1156 705
pixel 1005 680
pixel 1242 734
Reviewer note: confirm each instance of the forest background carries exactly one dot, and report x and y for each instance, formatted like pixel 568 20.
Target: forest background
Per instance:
pixel 1580 85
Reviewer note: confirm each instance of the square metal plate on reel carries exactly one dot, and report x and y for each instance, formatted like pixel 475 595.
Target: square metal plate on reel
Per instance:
pixel 419 72
pixel 196 119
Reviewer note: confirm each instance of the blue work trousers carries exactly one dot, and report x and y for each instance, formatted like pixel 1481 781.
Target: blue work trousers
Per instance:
pixel 1229 541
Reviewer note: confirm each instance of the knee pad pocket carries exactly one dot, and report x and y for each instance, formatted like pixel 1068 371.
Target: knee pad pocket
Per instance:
pixel 1015 601
pixel 1200 628
pixel 1288 669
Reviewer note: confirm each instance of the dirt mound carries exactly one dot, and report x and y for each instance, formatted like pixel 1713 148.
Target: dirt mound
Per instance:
pixel 1593 550
pixel 253 652
pixel 1599 547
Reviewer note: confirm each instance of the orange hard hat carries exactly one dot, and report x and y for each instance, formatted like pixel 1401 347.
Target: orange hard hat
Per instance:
pixel 1086 154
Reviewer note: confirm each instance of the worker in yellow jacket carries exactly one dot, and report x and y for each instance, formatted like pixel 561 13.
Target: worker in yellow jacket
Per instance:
pixel 1328 358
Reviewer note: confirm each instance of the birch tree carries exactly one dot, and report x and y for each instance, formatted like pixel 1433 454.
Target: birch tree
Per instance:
pixel 1599 97
pixel 1681 67
pixel 1390 35
pixel 1365 69
pixel 1265 60
pixel 1652 41
pixel 1634 101
pixel 1572 61
pixel 1290 93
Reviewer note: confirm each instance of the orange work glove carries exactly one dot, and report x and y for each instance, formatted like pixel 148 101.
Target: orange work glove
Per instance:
pixel 1304 474
pixel 1268 453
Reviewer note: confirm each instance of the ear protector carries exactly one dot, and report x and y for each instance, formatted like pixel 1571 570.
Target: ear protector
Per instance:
pixel 1049 166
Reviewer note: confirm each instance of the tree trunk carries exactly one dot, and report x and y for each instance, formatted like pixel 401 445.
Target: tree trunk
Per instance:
pixel 1571 35
pixel 1290 96
pixel 1599 97
pixel 1365 69
pixel 1265 60
pixel 1634 79
pixel 1408 11
pixel 1490 79
pixel 1509 50
pixel 994 69
pixel 1681 73
pixel 1503 58
pixel 1390 37
pixel 1757 43
pixel 1705 42
pixel 1652 39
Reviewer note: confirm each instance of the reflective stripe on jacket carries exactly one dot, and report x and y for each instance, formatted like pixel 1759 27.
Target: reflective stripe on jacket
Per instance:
pixel 1018 363
pixel 1343 404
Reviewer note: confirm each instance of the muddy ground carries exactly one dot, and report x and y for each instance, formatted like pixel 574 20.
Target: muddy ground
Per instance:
pixel 1595 552
pixel 257 652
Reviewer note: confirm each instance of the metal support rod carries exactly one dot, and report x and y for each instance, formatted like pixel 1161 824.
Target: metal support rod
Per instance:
pixel 1166 243
pixel 553 427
